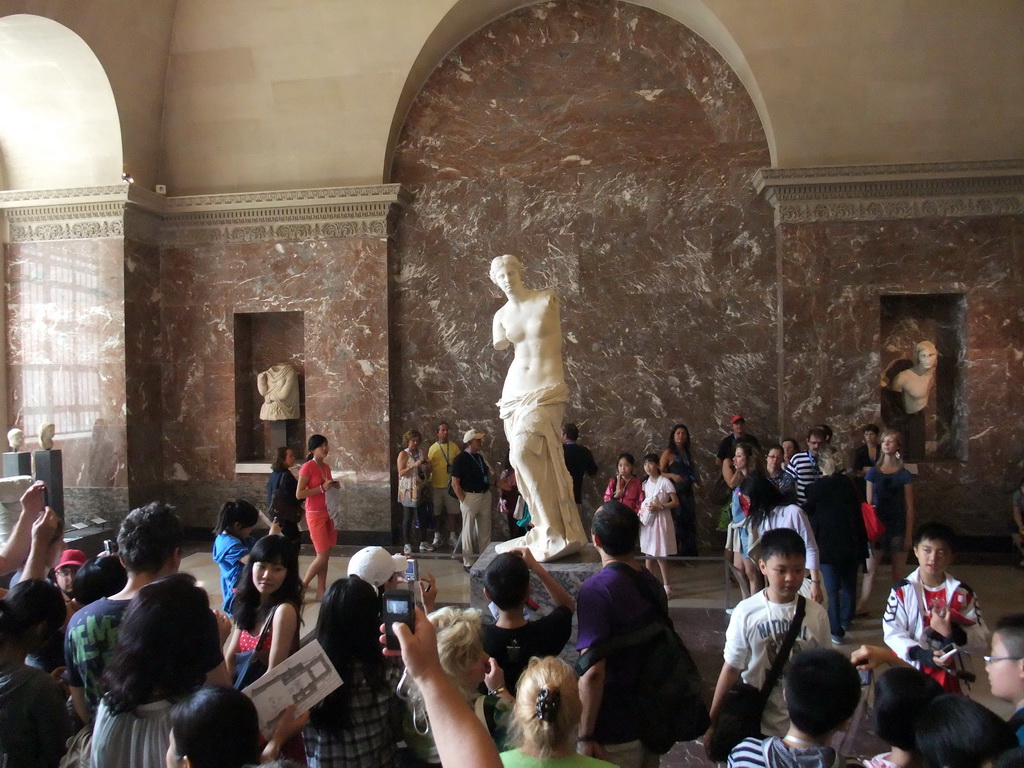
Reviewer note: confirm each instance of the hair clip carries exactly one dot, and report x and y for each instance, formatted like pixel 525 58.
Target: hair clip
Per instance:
pixel 547 704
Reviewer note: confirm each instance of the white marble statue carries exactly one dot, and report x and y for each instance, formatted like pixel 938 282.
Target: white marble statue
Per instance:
pixel 279 386
pixel 46 436
pixel 532 405
pixel 916 383
pixel 15 438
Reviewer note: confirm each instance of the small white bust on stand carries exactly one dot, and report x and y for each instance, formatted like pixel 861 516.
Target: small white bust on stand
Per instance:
pixel 46 436
pixel 16 438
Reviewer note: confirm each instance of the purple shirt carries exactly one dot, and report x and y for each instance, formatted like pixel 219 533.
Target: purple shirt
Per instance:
pixel 610 604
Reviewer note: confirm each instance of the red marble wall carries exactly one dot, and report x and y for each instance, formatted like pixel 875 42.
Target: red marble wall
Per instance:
pixel 833 278
pixel 340 288
pixel 612 150
pixel 66 363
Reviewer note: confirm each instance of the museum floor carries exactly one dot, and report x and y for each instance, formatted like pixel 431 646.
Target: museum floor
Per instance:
pixel 698 612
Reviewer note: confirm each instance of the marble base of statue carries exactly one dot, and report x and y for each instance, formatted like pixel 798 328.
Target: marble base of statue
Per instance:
pixel 17 463
pixel 50 469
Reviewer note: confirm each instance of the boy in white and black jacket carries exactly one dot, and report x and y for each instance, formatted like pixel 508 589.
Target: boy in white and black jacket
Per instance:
pixel 930 612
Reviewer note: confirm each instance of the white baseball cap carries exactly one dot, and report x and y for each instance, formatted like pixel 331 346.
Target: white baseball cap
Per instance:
pixel 375 565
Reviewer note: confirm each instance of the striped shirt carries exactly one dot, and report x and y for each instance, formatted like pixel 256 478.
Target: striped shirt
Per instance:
pixel 758 753
pixel 805 470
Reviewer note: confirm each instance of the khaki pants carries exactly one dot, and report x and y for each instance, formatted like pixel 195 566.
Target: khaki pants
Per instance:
pixel 476 523
pixel 446 511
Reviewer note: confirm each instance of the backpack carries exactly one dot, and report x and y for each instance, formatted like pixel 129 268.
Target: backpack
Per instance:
pixel 668 696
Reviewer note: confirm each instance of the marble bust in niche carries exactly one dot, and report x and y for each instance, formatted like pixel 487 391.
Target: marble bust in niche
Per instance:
pixel 279 386
pixel 912 383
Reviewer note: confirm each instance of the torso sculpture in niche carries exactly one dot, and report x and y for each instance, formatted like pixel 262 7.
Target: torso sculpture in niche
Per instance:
pixel 532 405
pixel 279 386
pixel 915 385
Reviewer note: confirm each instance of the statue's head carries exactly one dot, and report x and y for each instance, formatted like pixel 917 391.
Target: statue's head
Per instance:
pixel 507 264
pixel 925 354
pixel 46 435
pixel 15 438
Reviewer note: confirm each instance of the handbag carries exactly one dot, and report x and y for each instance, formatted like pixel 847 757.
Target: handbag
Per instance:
pixel 739 715
pixel 720 492
pixel 284 506
pixel 248 667
pixel 875 528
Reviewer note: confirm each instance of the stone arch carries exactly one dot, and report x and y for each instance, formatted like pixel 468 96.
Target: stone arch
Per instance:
pixel 612 149
pixel 59 124
pixel 467 16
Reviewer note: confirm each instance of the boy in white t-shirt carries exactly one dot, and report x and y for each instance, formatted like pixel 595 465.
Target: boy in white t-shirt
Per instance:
pixel 760 623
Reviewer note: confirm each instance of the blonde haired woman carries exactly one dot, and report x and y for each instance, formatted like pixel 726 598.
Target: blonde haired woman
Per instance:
pixel 546 718
pixel 461 652
pixel 890 488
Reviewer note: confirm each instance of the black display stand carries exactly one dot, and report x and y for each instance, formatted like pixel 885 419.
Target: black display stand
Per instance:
pixel 50 469
pixel 17 463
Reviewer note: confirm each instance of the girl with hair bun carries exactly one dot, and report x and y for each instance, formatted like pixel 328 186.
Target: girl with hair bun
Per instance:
pixel 35 722
pixel 546 719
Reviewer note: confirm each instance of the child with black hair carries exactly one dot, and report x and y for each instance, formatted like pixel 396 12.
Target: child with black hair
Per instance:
pixel 35 722
pixel 235 524
pixel 822 690
pixel 901 695
pixel 759 625
pixel 1005 667
pixel 930 612
pixel 956 732
pixel 657 529
pixel 513 640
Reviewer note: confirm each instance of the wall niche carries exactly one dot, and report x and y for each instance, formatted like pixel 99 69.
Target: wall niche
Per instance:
pixel 263 340
pixel 938 431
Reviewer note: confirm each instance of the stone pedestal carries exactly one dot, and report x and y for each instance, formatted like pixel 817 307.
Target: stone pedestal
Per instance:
pixel 17 463
pixel 50 469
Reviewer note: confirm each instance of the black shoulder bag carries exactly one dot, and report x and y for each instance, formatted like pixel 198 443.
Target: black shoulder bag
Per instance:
pixel 739 716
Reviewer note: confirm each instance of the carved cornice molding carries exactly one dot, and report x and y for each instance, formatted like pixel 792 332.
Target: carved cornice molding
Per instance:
pixel 244 217
pixel 300 214
pixel 876 192
pixel 80 213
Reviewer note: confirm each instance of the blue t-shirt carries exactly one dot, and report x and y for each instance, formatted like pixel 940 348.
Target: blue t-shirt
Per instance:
pixel 888 496
pixel 228 552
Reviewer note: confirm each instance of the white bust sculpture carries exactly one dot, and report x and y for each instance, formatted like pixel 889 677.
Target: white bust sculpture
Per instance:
pixel 916 383
pixel 279 386
pixel 46 436
pixel 16 438
pixel 532 405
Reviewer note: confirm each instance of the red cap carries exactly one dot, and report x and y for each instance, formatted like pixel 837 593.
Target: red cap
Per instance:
pixel 737 417
pixel 75 557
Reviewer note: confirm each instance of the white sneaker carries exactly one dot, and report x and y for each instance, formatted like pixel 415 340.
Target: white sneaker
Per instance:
pixel 426 547
pixel 407 550
pixel 453 539
pixel 438 541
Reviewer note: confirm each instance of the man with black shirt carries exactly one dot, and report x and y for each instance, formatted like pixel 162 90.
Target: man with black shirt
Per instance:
pixel 727 448
pixel 578 460
pixel 471 481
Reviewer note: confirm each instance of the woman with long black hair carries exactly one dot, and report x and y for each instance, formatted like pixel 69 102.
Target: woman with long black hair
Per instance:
pixel 678 466
pixel 356 724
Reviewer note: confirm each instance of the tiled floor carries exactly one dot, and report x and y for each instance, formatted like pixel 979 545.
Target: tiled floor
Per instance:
pixel 697 608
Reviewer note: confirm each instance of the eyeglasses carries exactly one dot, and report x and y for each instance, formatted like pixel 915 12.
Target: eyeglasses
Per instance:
pixel 993 659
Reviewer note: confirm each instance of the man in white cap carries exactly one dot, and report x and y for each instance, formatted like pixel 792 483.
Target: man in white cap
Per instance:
pixel 471 481
pixel 385 571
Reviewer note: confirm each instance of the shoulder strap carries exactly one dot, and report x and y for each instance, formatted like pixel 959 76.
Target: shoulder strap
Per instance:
pixel 638 637
pixel 787 647
pixel 266 628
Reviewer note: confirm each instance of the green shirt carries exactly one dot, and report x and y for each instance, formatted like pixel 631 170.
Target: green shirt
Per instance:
pixel 516 759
